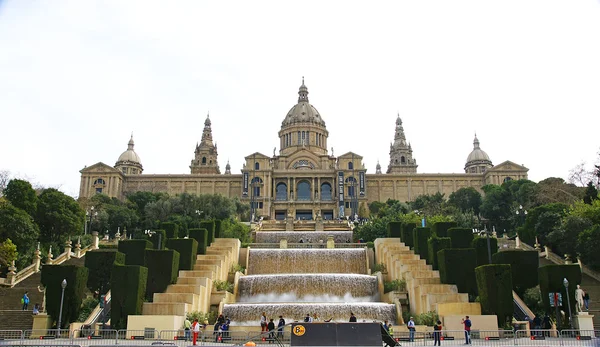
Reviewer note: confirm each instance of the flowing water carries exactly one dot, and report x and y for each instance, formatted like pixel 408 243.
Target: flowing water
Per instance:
pixel 339 236
pixel 301 260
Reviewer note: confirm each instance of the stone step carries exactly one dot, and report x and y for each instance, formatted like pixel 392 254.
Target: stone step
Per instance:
pixel 188 298
pixel 195 281
pixel 192 273
pixel 166 309
pixel 429 301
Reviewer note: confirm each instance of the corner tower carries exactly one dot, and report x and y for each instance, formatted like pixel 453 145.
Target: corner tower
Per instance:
pixel 401 159
pixel 205 155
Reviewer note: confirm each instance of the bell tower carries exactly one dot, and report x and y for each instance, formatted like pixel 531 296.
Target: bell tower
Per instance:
pixel 205 155
pixel 401 159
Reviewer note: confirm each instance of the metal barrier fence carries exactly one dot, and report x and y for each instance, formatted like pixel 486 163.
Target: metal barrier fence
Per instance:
pixel 151 337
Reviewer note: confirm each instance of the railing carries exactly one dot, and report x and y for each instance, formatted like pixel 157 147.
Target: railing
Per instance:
pixel 520 310
pixel 98 311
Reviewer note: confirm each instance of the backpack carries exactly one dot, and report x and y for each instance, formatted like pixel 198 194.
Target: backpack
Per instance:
pixel 468 323
pixel 22 300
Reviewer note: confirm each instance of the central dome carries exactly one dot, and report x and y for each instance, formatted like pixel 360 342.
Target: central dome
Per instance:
pixel 303 112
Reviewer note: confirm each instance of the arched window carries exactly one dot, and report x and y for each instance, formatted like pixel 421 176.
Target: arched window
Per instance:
pixel 256 184
pixel 326 192
pixel 281 192
pixel 507 179
pixel 256 166
pixel 99 181
pixel 99 184
pixel 351 183
pixel 350 166
pixel 303 191
pixel 402 160
pixel 203 160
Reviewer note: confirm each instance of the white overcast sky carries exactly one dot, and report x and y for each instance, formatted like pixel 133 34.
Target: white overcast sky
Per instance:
pixel 77 77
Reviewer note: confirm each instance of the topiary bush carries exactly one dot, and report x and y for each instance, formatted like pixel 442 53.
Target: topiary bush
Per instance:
pixel 457 266
pixel 407 235
pixel 480 245
pixel 461 237
pixel 163 268
pixel 441 228
pixel 201 236
pixel 52 278
pixel 494 285
pixel 100 264
pixel 218 230
pixel 551 281
pixel 127 293
pixel 434 245
pixel 209 225
pixel 420 237
pixel 187 248
pixel 171 230
pixel 394 229
pixel 524 267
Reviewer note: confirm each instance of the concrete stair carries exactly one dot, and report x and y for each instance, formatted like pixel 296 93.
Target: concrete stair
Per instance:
pixel 10 298
pixel 16 320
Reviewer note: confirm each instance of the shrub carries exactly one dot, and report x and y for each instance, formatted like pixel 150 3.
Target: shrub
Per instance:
pixel 407 235
pixel 378 268
pixel 88 305
pixel 457 266
pixel 171 229
pixel 135 251
pixel 533 299
pixel 441 228
pixel 202 317
pixel 160 236
pixel 163 266
pixel 461 237
pixel 429 318
pixel 420 237
pixel 200 235
pixel 551 281
pixel 108 246
pixel 434 245
pixel 370 244
pixel 218 226
pixel 52 277
pixel 223 286
pixel 100 264
pixel 524 267
pixel 127 293
pixel 209 225
pixel 187 248
pixel 395 285
pixel 480 245
pixel 494 285
pixel 237 268
pixel 394 229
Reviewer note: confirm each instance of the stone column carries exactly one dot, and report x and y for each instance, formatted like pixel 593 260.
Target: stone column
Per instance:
pixel 517 242
pixel 68 247
pixel 283 243
pixel 78 248
pixel 11 276
pixel 37 259
pixel 95 240
pixel 330 242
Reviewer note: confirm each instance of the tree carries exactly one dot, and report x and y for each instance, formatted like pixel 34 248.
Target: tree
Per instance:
pixel 564 238
pixel 18 226
pixel 59 216
pixel 4 179
pixel 497 206
pixel 541 221
pixel 466 199
pixel 429 204
pixel 21 195
pixel 588 246
pixel 375 206
pixel 8 253
pixel 591 193
pixel 554 189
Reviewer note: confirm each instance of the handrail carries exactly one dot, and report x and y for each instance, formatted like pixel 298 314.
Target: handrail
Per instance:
pixel 97 311
pixel 522 305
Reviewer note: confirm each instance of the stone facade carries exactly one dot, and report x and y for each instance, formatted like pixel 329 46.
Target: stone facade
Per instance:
pixel 304 180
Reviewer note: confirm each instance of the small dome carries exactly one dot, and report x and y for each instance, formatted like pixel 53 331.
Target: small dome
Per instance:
pixel 303 111
pixel 129 155
pixel 477 154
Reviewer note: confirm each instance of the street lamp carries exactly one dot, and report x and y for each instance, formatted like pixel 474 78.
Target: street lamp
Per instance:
pixel 487 235
pixel 89 214
pixel 151 233
pixel 62 298
pixel 566 284
pixel 521 213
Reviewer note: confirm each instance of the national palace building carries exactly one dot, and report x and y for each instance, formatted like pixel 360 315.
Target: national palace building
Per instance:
pixel 305 180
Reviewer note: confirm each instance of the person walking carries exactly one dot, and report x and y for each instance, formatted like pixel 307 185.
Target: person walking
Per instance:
pixel 391 330
pixel 187 325
pixel 280 326
pixel 467 323
pixel 411 330
pixel 25 301
pixel 263 322
pixel 437 334
pixel 195 331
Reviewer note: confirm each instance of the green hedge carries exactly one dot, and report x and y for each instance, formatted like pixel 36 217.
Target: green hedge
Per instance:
pixel 171 229
pixel 200 235
pixel 127 293
pixel 218 225
pixel 480 245
pixel 52 277
pixel 159 235
pixel 420 237
pixel 441 228
pixel 163 268
pixel 187 248
pixel 461 237
pixel 434 245
pixel 135 251
pixel 494 285
pixel 551 281
pixel 457 266
pixel 209 225
pixel 524 267
pixel 100 263
pixel 394 229
pixel 407 234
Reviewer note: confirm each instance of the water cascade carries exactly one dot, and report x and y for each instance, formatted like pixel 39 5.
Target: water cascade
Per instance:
pixel 302 260
pixel 339 236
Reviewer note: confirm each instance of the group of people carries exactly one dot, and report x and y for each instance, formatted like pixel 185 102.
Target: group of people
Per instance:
pixel 268 326
pixel 220 330
pixel 25 304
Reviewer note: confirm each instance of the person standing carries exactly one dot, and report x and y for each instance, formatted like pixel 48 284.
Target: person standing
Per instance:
pixel 437 334
pixel 25 301
pixel 195 331
pixel 280 326
pixel 467 323
pixel 391 330
pixel 411 330
pixel 586 300
pixel 187 325
pixel 271 329
pixel 352 318
pixel 263 322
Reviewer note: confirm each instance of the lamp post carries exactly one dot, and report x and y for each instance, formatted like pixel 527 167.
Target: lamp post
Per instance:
pixel 487 236
pixel 151 233
pixel 522 214
pixel 62 298
pixel 89 214
pixel 566 284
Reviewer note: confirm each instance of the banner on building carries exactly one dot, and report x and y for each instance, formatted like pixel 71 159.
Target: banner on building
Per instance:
pixel 361 183
pixel 245 190
pixel 341 192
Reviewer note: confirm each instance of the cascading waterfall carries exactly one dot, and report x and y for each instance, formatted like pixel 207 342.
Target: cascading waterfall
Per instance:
pixel 339 236
pixel 302 260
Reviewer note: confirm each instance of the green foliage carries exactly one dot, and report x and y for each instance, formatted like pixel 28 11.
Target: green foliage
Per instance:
pixel 235 230
pixel 395 285
pixel 494 285
pixel 100 264
pixel 187 248
pixel 533 299
pixel 135 251
pixel 420 237
pixel 209 225
pixel 171 229
pixel 497 206
pixel 440 229
pixel 457 266
pixel 21 195
pixel 237 268
pixel 19 227
pixel 481 247
pixel 461 237
pixel 541 221
pixel 524 267
pixel 375 228
pixel 551 281
pixel 378 268
pixel 407 234
pixel 8 253
pixel 163 268
pixel 58 216
pixel 588 246
pixel 159 235
pixel 429 318
pixel 434 245
pixel 429 204
pixel 127 293
pixel 394 229
pixel 201 236
pixel 52 278
pixel 563 239
pixel 223 286
pixel 203 317
pixel 218 228
pixel 465 199
pixel 88 305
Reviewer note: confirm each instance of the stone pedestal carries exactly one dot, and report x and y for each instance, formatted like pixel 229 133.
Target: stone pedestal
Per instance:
pixel 283 243
pixel 68 248
pixel 50 257
pixel 12 274
pixel 330 242
pixel 95 240
pixel 37 259
pixel 78 248
pixel 289 223
pixel 585 323
pixel 319 222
